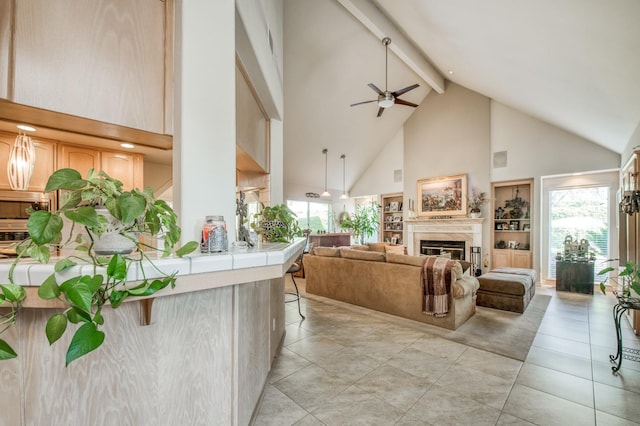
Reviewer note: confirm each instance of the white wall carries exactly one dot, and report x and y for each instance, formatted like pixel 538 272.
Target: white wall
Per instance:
pixel 378 177
pixel 535 149
pixel 449 134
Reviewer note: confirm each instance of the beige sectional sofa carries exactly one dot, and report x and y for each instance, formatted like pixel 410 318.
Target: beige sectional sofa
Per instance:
pixel 378 277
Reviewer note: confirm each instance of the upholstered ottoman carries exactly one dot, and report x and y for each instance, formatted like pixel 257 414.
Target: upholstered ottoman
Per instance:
pixel 509 289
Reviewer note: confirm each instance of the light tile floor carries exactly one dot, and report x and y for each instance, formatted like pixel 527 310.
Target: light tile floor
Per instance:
pixel 342 366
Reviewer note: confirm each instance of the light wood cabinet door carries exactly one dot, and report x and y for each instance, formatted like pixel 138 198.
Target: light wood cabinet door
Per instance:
pixel 125 167
pixel 107 59
pixel 521 259
pixel 78 158
pixel 501 258
pixel 44 166
pixel 6 142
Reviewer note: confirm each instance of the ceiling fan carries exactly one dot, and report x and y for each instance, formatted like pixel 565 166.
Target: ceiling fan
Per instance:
pixel 387 98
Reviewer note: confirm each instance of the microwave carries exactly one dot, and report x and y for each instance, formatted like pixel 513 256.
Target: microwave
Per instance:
pixel 14 216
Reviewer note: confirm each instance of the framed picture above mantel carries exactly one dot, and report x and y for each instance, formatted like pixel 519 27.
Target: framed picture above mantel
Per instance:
pixel 442 196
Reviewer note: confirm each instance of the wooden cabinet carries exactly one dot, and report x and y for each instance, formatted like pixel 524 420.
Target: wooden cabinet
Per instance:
pixel 123 166
pixel 79 158
pixel 391 218
pixel 512 223
pixel 107 60
pixel 629 229
pixel 44 165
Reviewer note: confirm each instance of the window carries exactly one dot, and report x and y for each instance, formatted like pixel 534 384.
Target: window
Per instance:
pixel 581 213
pixel 314 216
pixel 583 207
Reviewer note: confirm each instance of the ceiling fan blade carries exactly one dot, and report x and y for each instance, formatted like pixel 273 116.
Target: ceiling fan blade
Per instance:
pixel 405 90
pixel 364 102
pixel 375 89
pixel 380 111
pixel 402 102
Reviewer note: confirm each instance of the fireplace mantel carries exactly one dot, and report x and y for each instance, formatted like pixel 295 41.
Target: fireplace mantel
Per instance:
pixel 464 229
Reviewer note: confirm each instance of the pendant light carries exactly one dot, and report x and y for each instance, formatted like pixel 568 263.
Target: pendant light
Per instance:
pixel 21 160
pixel 326 193
pixel 344 195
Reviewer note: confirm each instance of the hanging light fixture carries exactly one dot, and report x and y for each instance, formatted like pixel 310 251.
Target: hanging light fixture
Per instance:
pixel 344 195
pixel 326 193
pixel 21 160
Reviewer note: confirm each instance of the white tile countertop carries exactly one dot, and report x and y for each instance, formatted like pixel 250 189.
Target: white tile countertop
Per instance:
pixel 195 272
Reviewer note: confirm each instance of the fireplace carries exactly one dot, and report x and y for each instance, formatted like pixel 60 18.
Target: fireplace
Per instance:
pixel 437 247
pixel 463 230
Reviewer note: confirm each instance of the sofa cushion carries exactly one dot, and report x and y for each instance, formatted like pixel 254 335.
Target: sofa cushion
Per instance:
pixel 379 247
pixel 406 259
pixel 396 249
pixel 326 251
pixel 512 284
pixel 362 255
pixel 364 247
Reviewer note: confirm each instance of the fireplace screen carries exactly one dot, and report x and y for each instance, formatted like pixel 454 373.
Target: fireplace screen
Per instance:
pixel 437 247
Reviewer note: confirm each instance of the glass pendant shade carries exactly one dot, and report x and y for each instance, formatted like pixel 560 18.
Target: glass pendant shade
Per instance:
pixel 21 162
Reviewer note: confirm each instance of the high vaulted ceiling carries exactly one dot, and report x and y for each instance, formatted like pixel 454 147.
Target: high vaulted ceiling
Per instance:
pixel 574 64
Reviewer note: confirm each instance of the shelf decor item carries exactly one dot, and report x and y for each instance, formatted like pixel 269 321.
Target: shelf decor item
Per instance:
pixel 516 206
pixel 442 196
pixel 476 201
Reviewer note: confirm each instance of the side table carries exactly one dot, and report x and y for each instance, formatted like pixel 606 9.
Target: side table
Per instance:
pixel 623 305
pixel 576 277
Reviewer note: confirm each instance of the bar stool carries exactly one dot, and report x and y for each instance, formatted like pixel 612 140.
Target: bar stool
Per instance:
pixel 296 267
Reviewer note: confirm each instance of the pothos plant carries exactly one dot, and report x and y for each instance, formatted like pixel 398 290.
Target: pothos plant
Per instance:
pixel 630 277
pixel 85 296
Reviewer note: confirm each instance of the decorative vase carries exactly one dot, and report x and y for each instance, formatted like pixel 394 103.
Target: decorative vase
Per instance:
pixel 272 229
pixel 475 215
pixel 112 241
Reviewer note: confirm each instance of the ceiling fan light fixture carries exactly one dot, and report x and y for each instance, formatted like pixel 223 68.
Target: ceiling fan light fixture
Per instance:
pixel 387 101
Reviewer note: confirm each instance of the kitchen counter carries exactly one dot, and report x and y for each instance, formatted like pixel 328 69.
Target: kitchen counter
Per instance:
pixel 202 357
pixel 195 272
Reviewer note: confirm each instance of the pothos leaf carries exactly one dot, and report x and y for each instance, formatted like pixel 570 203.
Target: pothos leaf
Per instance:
pixel 117 267
pixel 84 215
pixel 6 352
pixel 49 288
pixel 86 339
pixel 64 179
pixel 187 248
pixel 55 328
pixel 131 206
pixel 63 264
pixel 13 292
pixel 44 227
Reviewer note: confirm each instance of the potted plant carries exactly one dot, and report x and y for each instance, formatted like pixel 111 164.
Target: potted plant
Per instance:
pixel 476 201
pixel 364 222
pixel 97 204
pixel 630 276
pixel 276 224
pixel 516 206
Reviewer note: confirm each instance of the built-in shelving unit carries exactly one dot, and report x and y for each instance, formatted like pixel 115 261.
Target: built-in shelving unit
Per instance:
pixel 391 218
pixel 512 223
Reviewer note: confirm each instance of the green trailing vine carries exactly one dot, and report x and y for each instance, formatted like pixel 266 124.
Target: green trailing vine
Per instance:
pixel 84 296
